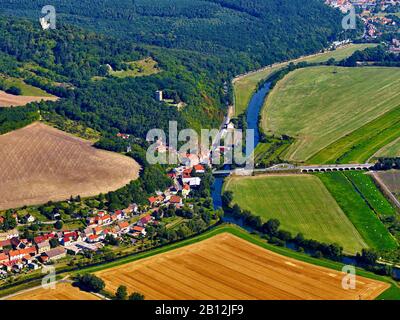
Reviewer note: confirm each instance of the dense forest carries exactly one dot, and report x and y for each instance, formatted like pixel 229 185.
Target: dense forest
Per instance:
pixel 378 56
pixel 73 56
pixel 199 45
pixel 267 31
pixel 16 118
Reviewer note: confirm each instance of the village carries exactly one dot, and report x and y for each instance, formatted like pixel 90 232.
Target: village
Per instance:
pixel 374 14
pixel 19 255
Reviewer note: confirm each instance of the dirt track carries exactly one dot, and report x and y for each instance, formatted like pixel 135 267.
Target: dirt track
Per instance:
pixel 9 100
pixel 40 163
pixel 228 267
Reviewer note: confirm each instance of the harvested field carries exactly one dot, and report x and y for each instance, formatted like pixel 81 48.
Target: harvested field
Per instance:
pixel 9 100
pixel 63 291
pixel 391 179
pixel 228 267
pixel 40 163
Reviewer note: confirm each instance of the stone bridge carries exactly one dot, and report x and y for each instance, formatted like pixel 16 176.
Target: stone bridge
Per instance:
pixel 336 167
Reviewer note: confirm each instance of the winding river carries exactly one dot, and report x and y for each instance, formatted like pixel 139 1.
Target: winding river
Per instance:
pixel 253 111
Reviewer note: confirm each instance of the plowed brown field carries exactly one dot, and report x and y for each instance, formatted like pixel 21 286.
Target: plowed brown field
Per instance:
pixel 9 100
pixel 40 163
pixel 228 267
pixel 63 291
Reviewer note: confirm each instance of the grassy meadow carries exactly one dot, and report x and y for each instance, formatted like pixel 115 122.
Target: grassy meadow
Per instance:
pixel 301 203
pixel 379 137
pixel 358 198
pixel 376 200
pixel 244 87
pixel 391 150
pixel 321 105
pixel 26 89
pixel 141 68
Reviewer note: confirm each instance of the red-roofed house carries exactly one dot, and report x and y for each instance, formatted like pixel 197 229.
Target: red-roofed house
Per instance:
pixel 152 201
pixel 43 238
pixel 199 168
pixel 71 234
pixel 123 226
pixel 3 258
pixel 98 230
pixel 93 238
pixel 186 190
pixel 145 220
pixel 176 201
pixel 139 229
pixel 101 213
pixel 5 243
pixel 156 200
pixel 15 255
pixel 30 250
pixel 66 241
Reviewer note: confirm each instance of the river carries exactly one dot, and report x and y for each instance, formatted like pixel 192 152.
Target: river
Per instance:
pixel 253 111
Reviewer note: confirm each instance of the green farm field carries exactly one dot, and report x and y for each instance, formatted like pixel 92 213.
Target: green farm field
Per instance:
pixel 360 199
pixel 321 105
pixel 244 87
pixel 301 203
pixel 379 137
pixel 376 200
pixel 392 150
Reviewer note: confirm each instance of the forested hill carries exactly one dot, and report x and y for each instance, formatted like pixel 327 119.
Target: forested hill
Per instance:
pixel 198 46
pixel 264 30
pixel 73 56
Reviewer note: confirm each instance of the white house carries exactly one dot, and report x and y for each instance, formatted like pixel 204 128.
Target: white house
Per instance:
pixel 196 181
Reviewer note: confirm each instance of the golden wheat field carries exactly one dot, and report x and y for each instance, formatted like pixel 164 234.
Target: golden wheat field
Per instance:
pixel 40 163
pixel 63 291
pixel 228 267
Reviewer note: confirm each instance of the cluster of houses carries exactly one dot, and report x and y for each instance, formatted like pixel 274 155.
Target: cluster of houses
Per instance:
pixel 370 20
pixel 116 225
pixel 344 5
pixel 17 254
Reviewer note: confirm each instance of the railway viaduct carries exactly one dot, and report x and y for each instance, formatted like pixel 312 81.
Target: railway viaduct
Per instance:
pixel 335 167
